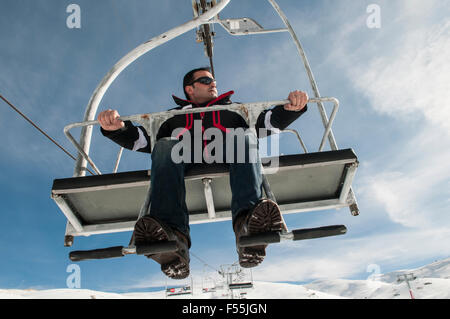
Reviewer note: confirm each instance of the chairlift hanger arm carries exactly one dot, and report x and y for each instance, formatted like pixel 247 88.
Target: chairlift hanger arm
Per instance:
pixel 94 101
pixel 206 34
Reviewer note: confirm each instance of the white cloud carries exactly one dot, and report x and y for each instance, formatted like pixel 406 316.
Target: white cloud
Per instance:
pixel 413 9
pixel 409 83
pixel 412 184
pixel 413 81
pixel 398 192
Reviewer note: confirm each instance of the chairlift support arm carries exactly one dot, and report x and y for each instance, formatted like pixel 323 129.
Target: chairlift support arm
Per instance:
pixel 108 79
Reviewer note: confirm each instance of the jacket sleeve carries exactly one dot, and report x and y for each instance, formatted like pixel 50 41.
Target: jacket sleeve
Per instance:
pixel 275 120
pixel 131 137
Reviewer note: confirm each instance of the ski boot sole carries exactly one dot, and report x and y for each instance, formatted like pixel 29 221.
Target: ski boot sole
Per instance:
pixel 265 217
pixel 173 264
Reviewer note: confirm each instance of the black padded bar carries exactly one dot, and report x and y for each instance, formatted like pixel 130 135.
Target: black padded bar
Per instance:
pixel 101 180
pixel 157 248
pixel 284 161
pixel 298 234
pixel 326 231
pixel 260 239
pixel 104 253
pixel 197 170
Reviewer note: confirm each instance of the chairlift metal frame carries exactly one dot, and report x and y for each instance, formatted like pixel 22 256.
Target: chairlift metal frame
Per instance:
pixel 79 183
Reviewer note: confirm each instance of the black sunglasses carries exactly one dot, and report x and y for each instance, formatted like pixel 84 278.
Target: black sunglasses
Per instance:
pixel 203 80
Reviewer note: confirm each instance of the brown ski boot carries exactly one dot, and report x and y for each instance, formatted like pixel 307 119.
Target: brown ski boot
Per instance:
pixel 173 264
pixel 264 217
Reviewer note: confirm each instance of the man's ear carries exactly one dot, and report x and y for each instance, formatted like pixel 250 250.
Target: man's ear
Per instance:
pixel 189 90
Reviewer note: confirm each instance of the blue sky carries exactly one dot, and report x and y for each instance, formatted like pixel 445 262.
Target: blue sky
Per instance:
pixel 392 83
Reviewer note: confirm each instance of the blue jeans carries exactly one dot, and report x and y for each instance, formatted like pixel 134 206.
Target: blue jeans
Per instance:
pixel 168 192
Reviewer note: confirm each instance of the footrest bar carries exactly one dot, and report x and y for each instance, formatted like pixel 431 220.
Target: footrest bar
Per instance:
pixel 319 232
pixel 297 234
pixel 157 248
pixel 104 253
pixel 120 251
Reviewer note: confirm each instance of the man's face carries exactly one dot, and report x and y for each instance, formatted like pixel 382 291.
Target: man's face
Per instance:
pixel 201 93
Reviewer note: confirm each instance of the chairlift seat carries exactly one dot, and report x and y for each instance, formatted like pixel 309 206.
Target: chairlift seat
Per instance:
pixel 111 202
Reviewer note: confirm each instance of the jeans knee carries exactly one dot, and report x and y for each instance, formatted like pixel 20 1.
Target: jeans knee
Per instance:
pixel 251 147
pixel 251 140
pixel 243 149
pixel 163 149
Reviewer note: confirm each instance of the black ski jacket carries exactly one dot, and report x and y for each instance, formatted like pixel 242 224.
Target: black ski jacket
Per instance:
pixel 136 138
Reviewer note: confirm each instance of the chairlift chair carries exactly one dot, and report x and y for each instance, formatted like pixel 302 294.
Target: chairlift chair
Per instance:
pixel 240 285
pixel 113 202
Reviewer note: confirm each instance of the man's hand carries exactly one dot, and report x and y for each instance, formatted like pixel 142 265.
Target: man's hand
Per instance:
pixel 298 101
pixel 109 120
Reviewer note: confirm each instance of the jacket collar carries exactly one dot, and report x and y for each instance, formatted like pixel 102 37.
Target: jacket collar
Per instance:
pixel 221 99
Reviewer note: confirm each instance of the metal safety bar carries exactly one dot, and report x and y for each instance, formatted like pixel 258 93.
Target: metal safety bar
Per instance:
pixel 249 111
pixel 295 132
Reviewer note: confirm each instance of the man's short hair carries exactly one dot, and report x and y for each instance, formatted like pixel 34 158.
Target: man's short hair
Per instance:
pixel 189 77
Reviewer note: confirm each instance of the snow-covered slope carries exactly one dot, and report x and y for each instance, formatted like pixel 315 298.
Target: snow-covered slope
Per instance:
pixel 432 281
pixel 260 290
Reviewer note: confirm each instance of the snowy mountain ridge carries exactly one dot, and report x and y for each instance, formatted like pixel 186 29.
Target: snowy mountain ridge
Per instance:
pixel 431 282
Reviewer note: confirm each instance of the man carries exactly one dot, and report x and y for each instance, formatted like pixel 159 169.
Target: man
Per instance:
pixel 168 218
